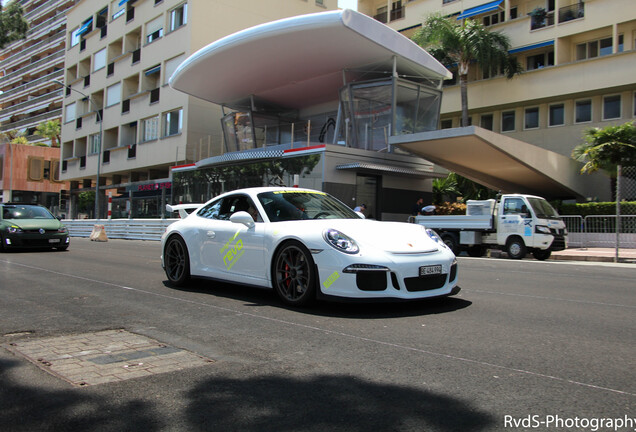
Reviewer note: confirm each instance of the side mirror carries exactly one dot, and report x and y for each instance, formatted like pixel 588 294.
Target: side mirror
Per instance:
pixel 242 217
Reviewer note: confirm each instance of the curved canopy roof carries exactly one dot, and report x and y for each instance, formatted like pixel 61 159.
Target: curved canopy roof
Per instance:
pixel 298 62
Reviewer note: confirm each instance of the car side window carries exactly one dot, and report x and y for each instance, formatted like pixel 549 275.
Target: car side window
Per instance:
pixel 211 211
pixel 513 206
pixel 238 203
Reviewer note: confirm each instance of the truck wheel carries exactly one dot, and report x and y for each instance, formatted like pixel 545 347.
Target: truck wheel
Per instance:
pixel 541 254
pixel 476 251
pixel 452 242
pixel 516 248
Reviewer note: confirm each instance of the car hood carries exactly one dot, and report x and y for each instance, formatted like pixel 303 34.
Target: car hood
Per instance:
pixel 393 237
pixel 30 224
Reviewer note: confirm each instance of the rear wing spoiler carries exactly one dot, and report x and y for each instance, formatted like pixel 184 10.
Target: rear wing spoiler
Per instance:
pixel 183 209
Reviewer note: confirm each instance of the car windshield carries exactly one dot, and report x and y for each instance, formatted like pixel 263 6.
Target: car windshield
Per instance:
pixel 290 205
pixel 543 209
pixel 25 212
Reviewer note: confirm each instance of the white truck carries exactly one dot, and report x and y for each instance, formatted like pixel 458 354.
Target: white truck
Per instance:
pixel 515 223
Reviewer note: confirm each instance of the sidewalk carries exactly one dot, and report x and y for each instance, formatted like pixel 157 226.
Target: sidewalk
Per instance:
pixel 596 254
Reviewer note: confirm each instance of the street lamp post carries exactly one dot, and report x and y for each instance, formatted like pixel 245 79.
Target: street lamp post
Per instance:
pixel 99 146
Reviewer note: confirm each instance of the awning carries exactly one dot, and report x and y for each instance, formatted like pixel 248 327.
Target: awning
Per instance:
pixel 533 46
pixel 480 9
pixel 388 169
pixel 122 2
pixel 153 70
pixel 85 26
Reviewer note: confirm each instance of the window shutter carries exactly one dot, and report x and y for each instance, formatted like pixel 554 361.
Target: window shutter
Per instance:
pixel 35 168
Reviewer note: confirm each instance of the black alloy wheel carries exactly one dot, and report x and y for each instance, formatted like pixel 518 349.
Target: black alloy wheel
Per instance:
pixel 176 261
pixel 294 276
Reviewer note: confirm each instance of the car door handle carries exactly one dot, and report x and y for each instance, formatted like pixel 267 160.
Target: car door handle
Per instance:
pixel 210 234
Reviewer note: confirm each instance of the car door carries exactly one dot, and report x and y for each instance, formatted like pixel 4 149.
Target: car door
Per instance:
pixel 234 251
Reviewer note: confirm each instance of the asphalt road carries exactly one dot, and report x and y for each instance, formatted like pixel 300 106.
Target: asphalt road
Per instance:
pixel 525 346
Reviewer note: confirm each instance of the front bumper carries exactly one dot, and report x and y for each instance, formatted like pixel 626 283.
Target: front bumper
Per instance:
pixel 29 240
pixel 387 277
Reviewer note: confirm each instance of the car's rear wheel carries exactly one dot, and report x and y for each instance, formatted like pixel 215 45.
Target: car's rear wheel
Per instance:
pixel 176 261
pixel 294 275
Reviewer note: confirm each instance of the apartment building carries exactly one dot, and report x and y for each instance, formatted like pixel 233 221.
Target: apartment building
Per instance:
pixel 578 57
pixel 122 123
pixel 28 95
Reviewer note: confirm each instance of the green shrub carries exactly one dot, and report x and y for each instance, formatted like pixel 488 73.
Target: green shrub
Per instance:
pixel 597 208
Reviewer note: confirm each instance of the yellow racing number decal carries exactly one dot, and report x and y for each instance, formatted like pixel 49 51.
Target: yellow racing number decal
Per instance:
pixel 232 252
pixel 331 279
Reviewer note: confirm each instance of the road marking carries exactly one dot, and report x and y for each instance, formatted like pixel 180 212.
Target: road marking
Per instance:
pixel 548 298
pixel 337 333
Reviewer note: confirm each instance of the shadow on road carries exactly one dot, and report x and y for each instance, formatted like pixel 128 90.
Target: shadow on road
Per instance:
pixel 221 403
pixel 356 309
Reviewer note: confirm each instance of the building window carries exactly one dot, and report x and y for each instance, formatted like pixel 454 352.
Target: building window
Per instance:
pixel 93 144
pixel 507 121
pixel 75 37
pixel 531 118
pixel 35 168
pixel 69 115
pixel 154 29
pixel 113 94
pixel 99 60
pixel 486 121
pixel 596 48
pixel 150 129
pixel 540 61
pixel 583 111
pixel 494 18
pixel 557 115
pixel 178 17
pixel 634 105
pixel 172 122
pixel 611 107
pixel 446 124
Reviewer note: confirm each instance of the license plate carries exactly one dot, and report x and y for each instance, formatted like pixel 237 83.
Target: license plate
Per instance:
pixel 54 240
pixel 430 270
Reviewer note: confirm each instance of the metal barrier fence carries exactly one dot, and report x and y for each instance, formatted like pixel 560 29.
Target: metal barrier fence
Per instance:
pixel 600 231
pixel 130 229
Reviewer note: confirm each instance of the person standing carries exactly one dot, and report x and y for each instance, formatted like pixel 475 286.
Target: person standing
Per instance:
pixel 417 207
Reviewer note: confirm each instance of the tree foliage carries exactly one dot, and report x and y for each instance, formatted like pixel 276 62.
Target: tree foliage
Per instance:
pixel 50 129
pixel 464 44
pixel 13 26
pixel 455 187
pixel 605 148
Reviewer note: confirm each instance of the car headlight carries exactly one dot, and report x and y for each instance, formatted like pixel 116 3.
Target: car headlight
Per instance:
pixel 341 241
pixel 62 230
pixel 14 229
pixel 433 235
pixel 542 229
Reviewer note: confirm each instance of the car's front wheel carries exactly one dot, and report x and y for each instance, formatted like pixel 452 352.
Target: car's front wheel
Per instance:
pixel 294 275
pixel 176 261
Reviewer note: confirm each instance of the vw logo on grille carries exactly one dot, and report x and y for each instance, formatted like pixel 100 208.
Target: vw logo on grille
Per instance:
pixel 42 231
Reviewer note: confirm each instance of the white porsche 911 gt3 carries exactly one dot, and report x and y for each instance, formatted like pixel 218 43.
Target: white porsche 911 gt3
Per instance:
pixel 306 244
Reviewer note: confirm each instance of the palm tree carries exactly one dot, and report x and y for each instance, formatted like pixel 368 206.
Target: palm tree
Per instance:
pixel 465 44
pixel 50 129
pixel 607 149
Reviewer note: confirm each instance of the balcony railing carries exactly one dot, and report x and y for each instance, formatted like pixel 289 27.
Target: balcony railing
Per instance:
pixel 397 14
pixel 541 21
pixel 382 17
pixel 572 12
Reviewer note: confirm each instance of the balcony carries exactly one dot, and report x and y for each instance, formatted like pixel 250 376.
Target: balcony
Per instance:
pixel 569 13
pixel 541 19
